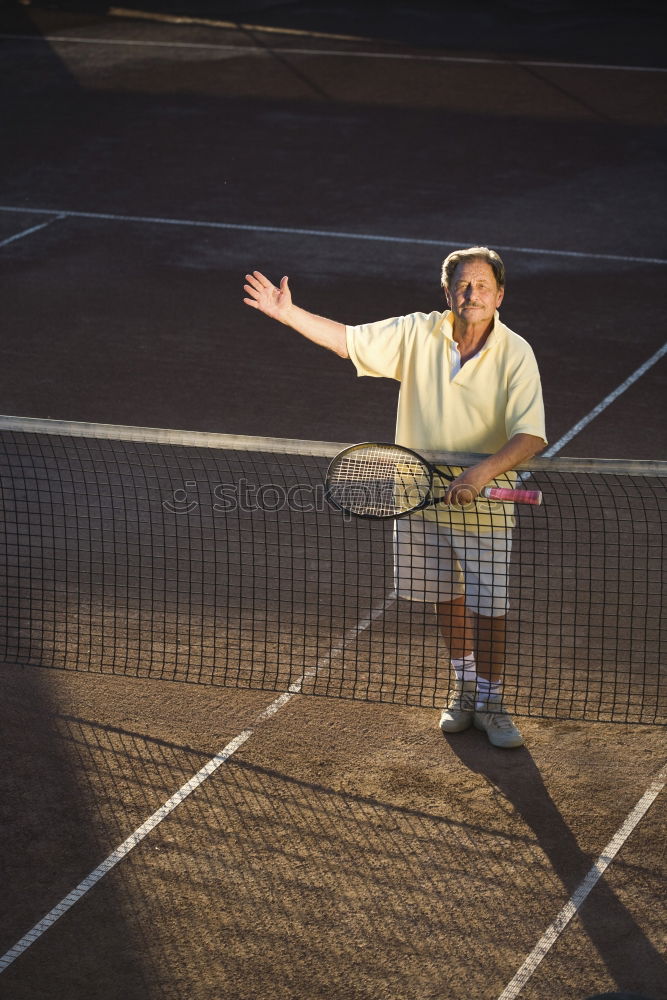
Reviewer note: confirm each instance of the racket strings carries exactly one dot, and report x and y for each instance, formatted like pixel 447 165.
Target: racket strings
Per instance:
pixel 378 481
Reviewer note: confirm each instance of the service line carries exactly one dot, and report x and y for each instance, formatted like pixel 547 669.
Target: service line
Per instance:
pixel 583 891
pixel 153 220
pixel 607 401
pixel 29 232
pixel 140 834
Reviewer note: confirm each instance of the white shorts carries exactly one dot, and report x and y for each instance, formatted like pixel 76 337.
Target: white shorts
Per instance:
pixel 434 563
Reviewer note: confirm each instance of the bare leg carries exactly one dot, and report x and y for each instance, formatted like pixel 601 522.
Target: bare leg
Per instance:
pixel 490 716
pixel 490 653
pixel 458 629
pixel 457 625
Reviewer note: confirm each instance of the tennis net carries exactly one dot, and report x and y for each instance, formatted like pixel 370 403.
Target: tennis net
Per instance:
pixel 216 559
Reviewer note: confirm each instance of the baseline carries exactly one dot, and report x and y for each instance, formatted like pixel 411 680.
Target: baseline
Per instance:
pixel 343 53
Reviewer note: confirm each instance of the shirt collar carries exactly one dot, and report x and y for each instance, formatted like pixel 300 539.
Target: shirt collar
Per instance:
pixel 447 327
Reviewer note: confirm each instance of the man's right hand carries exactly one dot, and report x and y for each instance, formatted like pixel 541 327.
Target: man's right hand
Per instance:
pixel 277 303
pixel 263 295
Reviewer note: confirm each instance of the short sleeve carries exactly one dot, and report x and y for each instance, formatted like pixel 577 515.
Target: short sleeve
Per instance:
pixel 525 406
pixel 378 349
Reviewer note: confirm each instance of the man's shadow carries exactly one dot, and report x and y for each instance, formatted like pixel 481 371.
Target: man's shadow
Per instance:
pixel 620 942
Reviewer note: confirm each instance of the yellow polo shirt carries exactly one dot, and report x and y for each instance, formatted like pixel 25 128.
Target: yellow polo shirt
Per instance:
pixel 494 396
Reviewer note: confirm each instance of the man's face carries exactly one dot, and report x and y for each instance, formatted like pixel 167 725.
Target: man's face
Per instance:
pixel 473 294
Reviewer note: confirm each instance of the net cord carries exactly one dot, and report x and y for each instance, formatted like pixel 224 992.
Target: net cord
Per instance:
pixel 295 446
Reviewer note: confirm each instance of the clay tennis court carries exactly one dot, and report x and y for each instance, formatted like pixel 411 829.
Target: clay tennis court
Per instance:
pixel 328 848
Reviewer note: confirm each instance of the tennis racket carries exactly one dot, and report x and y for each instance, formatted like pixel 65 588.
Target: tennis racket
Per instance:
pixel 387 480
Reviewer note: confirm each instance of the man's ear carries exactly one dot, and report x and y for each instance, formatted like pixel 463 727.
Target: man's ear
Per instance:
pixel 500 297
pixel 448 298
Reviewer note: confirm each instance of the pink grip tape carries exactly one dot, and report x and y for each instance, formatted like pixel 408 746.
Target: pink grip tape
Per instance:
pixel 515 496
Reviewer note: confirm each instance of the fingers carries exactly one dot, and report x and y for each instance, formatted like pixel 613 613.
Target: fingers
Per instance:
pixel 257 281
pixel 461 495
pixel 257 286
pixel 262 294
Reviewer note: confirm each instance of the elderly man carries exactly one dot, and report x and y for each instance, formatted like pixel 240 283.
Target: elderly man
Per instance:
pixel 468 384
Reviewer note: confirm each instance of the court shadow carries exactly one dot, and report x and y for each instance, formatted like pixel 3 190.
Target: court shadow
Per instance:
pixel 50 839
pixel 611 928
pixel 263 884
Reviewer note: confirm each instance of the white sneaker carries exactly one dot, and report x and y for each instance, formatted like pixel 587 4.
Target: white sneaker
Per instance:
pixel 497 723
pixel 460 709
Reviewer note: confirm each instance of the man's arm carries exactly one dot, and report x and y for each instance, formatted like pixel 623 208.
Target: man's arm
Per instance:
pixel 518 449
pixel 277 303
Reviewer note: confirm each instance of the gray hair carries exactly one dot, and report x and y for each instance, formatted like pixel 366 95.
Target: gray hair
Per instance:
pixel 450 263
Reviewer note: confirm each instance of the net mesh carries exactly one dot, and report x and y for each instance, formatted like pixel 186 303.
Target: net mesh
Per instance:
pixel 218 560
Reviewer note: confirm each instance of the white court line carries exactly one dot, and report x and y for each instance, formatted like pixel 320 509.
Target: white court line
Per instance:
pixel 607 401
pixel 245 50
pixel 122 851
pixel 28 232
pixel 135 838
pixel 327 233
pixel 212 766
pixel 582 892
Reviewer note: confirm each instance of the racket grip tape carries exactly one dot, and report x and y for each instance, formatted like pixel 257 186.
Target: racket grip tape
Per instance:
pixel 512 496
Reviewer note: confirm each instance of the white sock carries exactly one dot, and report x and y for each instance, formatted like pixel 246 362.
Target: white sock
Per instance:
pixel 487 689
pixel 465 668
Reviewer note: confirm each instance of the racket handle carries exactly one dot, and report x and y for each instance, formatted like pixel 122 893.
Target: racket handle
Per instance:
pixel 512 496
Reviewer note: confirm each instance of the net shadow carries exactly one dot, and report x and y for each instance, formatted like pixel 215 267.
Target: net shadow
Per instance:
pixel 262 884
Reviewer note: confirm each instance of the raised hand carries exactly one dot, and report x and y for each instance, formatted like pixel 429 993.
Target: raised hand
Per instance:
pixel 276 302
pixel 265 296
